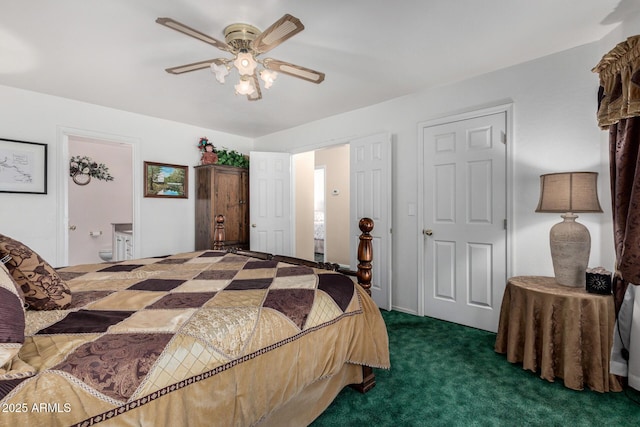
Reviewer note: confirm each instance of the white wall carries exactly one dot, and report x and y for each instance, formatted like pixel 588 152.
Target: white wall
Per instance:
pixel 165 226
pixel 554 129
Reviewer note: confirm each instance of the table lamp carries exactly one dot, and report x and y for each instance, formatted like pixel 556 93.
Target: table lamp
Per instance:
pixel 568 193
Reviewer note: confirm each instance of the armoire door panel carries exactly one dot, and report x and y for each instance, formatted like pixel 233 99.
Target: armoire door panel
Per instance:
pixel 222 190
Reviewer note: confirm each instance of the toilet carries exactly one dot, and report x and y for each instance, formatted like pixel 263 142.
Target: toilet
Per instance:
pixel 106 254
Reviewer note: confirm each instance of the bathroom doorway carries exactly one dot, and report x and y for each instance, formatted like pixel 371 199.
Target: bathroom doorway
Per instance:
pixel 100 205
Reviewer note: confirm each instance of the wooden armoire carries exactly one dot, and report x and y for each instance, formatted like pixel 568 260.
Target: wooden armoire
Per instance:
pixel 222 189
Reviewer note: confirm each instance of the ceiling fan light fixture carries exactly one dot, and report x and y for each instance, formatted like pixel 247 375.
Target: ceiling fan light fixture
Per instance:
pixel 245 86
pixel 268 77
pixel 221 71
pixel 245 63
pixel 246 42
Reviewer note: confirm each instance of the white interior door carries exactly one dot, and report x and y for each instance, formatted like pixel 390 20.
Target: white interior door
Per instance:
pixel 270 202
pixel 370 175
pixel 464 220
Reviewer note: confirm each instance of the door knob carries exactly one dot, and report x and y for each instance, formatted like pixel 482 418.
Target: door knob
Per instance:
pixel 72 227
pixel 254 225
pixel 427 232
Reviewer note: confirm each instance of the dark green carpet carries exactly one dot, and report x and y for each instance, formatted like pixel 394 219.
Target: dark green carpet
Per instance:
pixel 443 374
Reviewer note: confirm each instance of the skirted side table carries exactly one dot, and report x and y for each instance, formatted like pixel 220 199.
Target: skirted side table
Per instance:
pixel 559 331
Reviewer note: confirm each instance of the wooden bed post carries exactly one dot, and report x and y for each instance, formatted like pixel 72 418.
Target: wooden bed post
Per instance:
pixel 218 233
pixel 365 254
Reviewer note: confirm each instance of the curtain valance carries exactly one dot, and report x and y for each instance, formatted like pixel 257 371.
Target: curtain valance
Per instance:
pixel 619 70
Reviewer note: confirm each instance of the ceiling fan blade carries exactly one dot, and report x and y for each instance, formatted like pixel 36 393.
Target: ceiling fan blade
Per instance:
pixel 257 93
pixel 281 30
pixel 175 25
pixel 195 66
pixel 294 70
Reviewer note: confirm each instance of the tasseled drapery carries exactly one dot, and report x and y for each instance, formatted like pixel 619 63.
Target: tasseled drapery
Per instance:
pixel 619 111
pixel 619 71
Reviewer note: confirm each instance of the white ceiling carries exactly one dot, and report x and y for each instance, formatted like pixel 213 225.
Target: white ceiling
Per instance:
pixel 112 53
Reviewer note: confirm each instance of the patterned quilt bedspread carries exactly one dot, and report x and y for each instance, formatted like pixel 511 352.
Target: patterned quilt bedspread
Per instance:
pixel 212 334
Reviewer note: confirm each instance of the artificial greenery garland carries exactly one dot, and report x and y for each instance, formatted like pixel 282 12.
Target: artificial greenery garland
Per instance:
pixel 232 158
pixel 225 156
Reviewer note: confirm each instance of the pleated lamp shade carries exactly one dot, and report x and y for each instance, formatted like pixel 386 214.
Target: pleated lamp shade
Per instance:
pixel 569 192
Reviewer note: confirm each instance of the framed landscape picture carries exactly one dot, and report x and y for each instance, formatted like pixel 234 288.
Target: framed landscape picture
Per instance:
pixel 23 167
pixel 166 180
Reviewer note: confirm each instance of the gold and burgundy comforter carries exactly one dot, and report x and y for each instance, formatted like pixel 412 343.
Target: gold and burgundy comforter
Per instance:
pixel 201 338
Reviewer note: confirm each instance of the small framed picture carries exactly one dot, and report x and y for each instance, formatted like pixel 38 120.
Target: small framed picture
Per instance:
pixel 23 167
pixel 166 180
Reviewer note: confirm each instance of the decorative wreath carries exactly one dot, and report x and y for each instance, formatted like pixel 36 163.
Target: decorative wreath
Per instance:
pixel 82 169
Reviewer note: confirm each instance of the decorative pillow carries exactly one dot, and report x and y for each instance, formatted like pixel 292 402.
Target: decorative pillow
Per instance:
pixel 11 317
pixel 12 323
pixel 42 286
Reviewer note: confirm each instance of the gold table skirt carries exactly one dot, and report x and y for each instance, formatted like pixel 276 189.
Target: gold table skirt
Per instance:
pixel 559 331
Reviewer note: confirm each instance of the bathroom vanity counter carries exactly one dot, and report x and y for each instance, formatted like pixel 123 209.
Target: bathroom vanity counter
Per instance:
pixel 122 241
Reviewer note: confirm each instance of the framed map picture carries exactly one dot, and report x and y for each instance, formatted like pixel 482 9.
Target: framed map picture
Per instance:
pixel 23 167
pixel 166 180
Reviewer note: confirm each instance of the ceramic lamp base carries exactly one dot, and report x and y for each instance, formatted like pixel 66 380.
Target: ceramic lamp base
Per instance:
pixel 570 246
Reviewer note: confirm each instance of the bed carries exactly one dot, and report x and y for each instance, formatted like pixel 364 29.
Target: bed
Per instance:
pixel 216 337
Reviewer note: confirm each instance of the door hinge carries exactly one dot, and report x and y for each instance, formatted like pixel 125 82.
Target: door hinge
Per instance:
pixel 504 222
pixel 503 137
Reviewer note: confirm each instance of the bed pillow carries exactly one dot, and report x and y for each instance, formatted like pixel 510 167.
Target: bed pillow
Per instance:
pixel 12 323
pixel 42 286
pixel 11 317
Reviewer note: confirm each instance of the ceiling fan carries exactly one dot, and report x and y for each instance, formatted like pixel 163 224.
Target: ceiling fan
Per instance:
pixel 245 42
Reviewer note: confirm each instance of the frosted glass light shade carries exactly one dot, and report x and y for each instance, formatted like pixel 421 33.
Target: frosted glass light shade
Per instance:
pixel 221 71
pixel 244 87
pixel 245 64
pixel 268 76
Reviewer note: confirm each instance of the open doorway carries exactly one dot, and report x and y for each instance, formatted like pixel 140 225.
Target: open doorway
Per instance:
pixel 319 213
pixel 321 205
pixel 100 210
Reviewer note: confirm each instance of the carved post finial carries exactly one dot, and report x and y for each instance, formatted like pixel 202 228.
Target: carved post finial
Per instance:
pixel 365 254
pixel 218 233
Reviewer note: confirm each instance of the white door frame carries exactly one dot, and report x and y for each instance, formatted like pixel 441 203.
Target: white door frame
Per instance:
pixel 327 144
pixel 305 149
pixel 502 108
pixel 62 186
